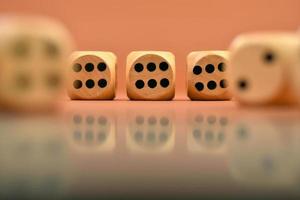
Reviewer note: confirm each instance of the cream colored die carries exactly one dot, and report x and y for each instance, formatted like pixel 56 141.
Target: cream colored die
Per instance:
pixel 261 67
pixel 150 75
pixel 206 75
pixel 33 53
pixel 92 75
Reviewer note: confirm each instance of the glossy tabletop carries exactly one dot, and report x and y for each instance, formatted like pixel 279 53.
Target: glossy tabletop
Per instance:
pixel 151 150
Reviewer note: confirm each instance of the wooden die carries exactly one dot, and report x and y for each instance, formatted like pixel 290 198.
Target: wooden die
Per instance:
pixel 33 53
pixel 261 65
pixel 92 75
pixel 206 75
pixel 150 75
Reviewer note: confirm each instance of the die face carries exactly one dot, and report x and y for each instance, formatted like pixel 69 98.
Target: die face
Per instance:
pixel 32 64
pixel 151 77
pixel 257 73
pixel 91 77
pixel 260 68
pixel 207 77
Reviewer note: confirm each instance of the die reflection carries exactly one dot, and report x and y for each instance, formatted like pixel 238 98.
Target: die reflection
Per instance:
pixel 261 150
pixel 150 132
pixel 207 131
pixel 33 157
pixel 93 131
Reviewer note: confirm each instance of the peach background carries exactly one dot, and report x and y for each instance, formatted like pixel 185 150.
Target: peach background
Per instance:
pixel 179 26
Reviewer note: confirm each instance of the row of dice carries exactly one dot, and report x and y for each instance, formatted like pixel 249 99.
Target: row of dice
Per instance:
pixel 150 75
pixel 260 68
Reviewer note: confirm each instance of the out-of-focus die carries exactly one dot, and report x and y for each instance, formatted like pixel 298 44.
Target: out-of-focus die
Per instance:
pixel 150 75
pixel 92 75
pixel 206 75
pixel 33 55
pixel 261 67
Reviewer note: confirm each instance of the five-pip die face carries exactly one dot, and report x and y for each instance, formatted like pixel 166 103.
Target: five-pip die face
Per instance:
pixel 92 76
pixel 150 75
pixel 206 75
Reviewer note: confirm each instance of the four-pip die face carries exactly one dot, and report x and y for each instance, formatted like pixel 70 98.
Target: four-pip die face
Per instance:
pixel 92 75
pixel 206 75
pixel 261 65
pixel 33 53
pixel 150 75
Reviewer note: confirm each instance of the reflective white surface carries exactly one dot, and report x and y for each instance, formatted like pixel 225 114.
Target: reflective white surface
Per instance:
pixel 128 149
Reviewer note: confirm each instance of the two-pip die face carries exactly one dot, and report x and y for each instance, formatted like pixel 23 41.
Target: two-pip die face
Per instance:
pixel 92 75
pixel 262 67
pixel 206 75
pixel 33 53
pixel 150 75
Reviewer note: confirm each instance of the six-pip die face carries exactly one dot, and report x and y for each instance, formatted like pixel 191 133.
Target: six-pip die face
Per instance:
pixel 206 75
pixel 92 76
pixel 150 75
